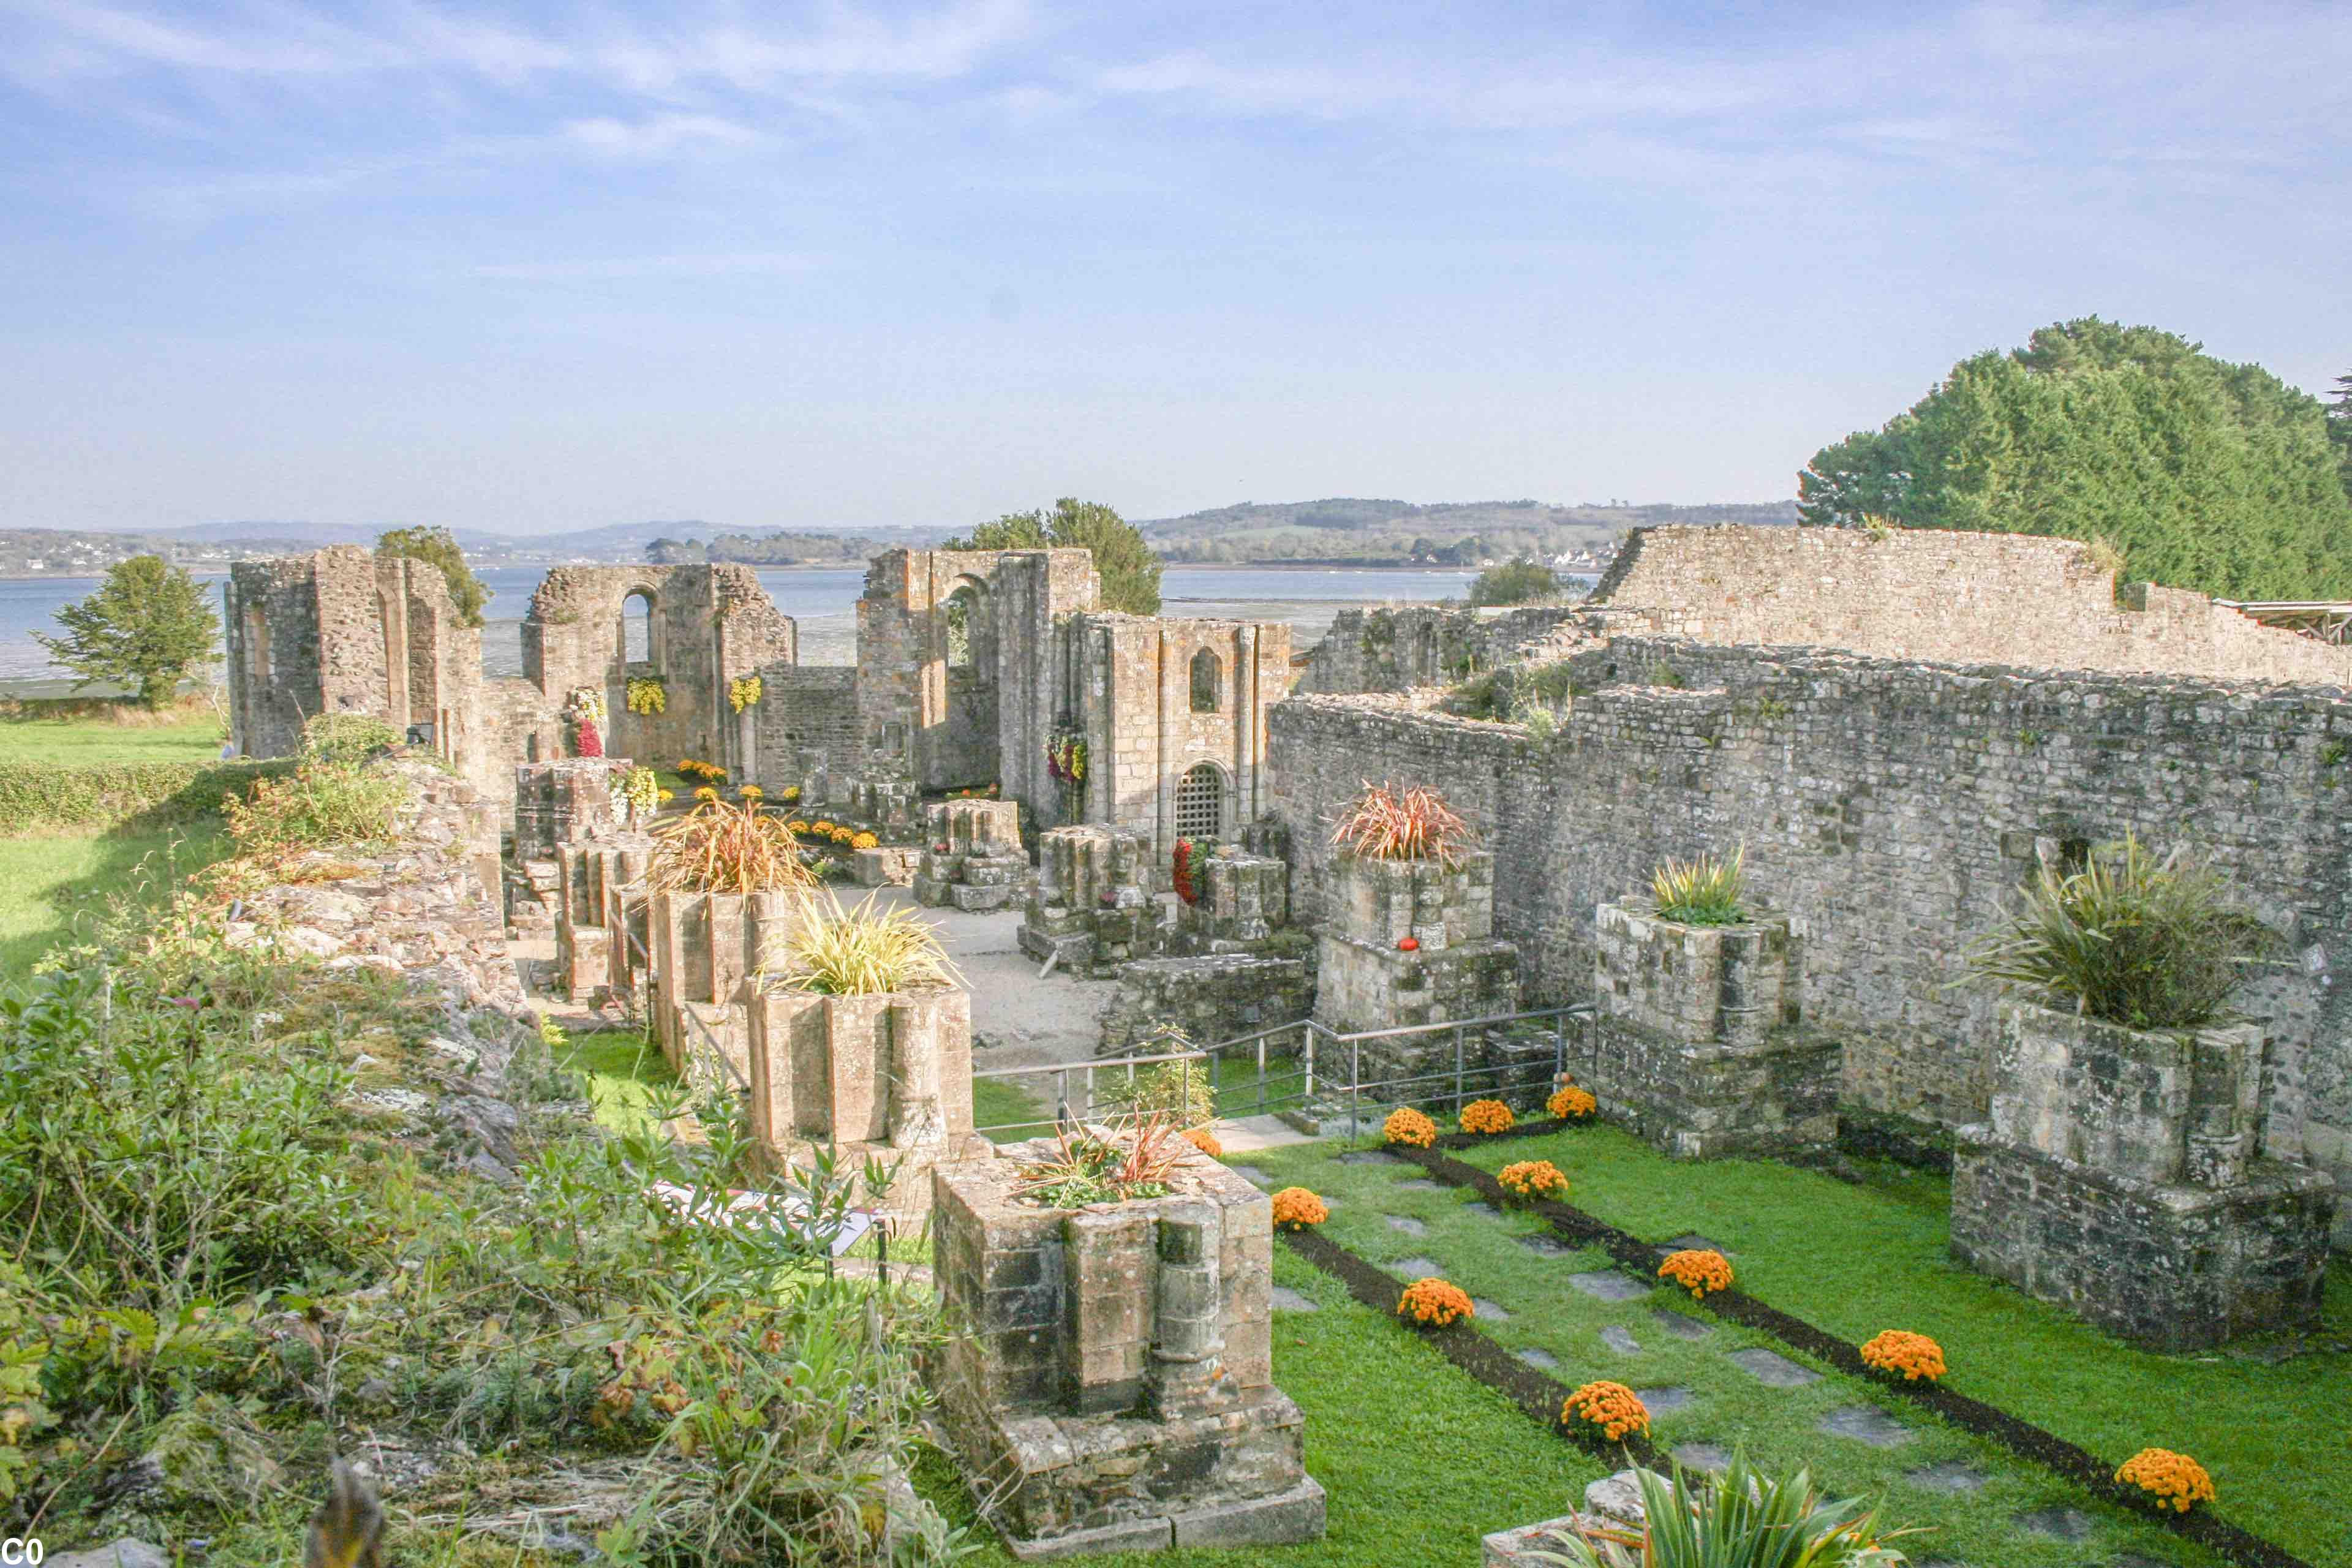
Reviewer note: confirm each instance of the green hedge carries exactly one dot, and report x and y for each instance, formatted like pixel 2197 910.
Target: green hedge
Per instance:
pixel 37 798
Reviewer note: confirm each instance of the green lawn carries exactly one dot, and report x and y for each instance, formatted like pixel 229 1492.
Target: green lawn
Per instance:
pixel 49 886
pixel 79 742
pixel 623 1069
pixel 1029 1098
pixel 1855 1260
pixel 1419 1460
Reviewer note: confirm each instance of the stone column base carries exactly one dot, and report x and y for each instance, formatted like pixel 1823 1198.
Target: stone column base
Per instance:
pixel 2173 1268
pixel 1707 1101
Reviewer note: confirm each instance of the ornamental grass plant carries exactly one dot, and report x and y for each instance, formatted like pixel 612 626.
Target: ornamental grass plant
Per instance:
pixel 1746 1520
pixel 2128 938
pixel 1706 892
pixel 718 848
pixel 1086 1167
pixel 863 951
pixel 1384 822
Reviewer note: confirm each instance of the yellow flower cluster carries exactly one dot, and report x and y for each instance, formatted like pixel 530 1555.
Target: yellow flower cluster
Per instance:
pixel 1916 1356
pixel 822 828
pixel 1434 1303
pixel 706 793
pixel 1201 1138
pixel 1697 1272
pixel 843 836
pixel 792 793
pixel 1487 1116
pixel 752 794
pixel 646 695
pixel 744 691
pixel 1612 1407
pixel 709 773
pixel 798 824
pixel 864 841
pixel 2175 1480
pixel 1409 1127
pixel 1533 1179
pixel 1295 1209
pixel 1571 1103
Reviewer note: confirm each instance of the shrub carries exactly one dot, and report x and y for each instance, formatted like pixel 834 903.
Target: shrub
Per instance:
pixel 37 797
pixel 1486 1117
pixel 1612 1407
pixel 1699 1271
pixel 1184 1092
pixel 1915 1356
pixel 1433 1303
pixel 1206 1141
pixel 2130 939
pixel 1410 1127
pixel 1517 581
pixel 346 739
pixel 1745 1518
pixel 2175 1480
pixel 1533 1179
pixel 1571 1103
pixel 436 547
pixel 721 848
pixel 319 803
pixel 1386 824
pixel 863 952
pixel 1702 892
pixel 1295 1209
pixel 1135 1162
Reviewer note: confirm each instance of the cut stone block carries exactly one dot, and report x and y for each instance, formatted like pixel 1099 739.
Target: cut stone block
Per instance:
pixel 1681 1327
pixel 1283 1520
pixel 1866 1423
pixel 1774 1369
pixel 1608 1285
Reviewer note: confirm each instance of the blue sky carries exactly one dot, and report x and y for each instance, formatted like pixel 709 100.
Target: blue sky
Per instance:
pixel 545 267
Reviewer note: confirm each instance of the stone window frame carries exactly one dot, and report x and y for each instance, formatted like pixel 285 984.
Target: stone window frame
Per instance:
pixel 965 629
pixel 1208 679
pixel 653 654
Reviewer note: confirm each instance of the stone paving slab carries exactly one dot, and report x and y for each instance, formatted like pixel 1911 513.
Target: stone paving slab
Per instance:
pixel 1711 1458
pixel 1608 1285
pixel 1541 1360
pixel 1409 1226
pixel 1774 1369
pixel 1419 1185
pixel 1415 1267
pixel 1491 1311
pixel 1681 1327
pixel 1252 1175
pixel 1950 1477
pixel 1866 1423
pixel 1544 1245
pixel 1620 1339
pixel 1287 1300
pixel 1659 1401
pixel 1692 1241
pixel 2057 1523
pixel 1370 1157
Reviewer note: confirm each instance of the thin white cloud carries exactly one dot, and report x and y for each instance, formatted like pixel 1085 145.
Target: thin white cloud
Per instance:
pixel 656 137
pixel 613 268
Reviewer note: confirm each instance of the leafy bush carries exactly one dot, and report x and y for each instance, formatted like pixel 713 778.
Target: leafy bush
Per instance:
pixel 1747 1518
pixel 1702 892
pixel 1518 582
pixel 346 739
pixel 1387 824
pixel 2146 942
pixel 1185 1092
pixel 319 804
pixel 721 848
pixel 861 951
pixel 37 798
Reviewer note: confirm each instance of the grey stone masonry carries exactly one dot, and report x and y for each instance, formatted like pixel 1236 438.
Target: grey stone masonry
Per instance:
pixel 1366 978
pixel 706 947
pixel 1110 1385
pixel 600 922
pixel 1239 901
pixel 887 800
pixel 1091 899
pixel 1699 1044
pixel 885 1076
pixel 1211 998
pixel 2121 1175
pixel 982 865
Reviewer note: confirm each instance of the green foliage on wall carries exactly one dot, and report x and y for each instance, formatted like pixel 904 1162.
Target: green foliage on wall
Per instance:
pixel 37 798
pixel 437 547
pixel 2207 475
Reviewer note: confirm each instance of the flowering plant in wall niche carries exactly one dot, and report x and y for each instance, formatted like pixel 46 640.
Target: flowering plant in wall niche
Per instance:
pixel 641 791
pixel 1066 758
pixel 745 692
pixel 587 703
pixel 1180 862
pixel 646 694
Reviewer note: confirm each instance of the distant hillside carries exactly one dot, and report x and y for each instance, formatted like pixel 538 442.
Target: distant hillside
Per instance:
pixel 1444 533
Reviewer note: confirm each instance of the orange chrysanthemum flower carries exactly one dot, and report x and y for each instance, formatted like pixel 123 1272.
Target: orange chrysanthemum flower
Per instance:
pixel 1612 1407
pixel 1434 1303
pixel 1697 1272
pixel 1203 1140
pixel 2175 1480
pixel 1571 1103
pixel 1915 1356
pixel 1409 1126
pixel 1295 1209
pixel 1487 1116
pixel 1533 1179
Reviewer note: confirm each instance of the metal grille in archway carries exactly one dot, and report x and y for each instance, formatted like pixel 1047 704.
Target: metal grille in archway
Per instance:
pixel 1200 803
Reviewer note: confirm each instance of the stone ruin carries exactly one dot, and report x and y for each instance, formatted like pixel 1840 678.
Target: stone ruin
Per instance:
pixel 2121 1175
pixel 973 857
pixel 1092 905
pixel 1111 1383
pixel 1700 1044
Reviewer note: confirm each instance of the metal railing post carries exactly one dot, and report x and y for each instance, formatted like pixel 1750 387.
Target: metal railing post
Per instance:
pixel 1457 1070
pixel 1261 1073
pixel 1308 1050
pixel 1355 1089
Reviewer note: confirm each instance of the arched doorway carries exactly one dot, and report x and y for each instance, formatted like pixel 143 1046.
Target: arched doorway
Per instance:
pixel 1200 803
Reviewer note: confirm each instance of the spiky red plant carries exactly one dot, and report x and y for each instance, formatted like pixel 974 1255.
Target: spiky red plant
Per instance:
pixel 1384 822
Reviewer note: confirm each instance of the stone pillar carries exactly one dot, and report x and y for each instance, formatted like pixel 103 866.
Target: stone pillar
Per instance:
pixel 1238 900
pixel 1699 1045
pixel 973 856
pixel 1091 901
pixel 706 947
pixel 560 802
pixel 2121 1175
pixel 1111 1381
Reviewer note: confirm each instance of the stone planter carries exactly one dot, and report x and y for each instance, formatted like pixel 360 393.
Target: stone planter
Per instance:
pixel 1111 1383
pixel 2121 1176
pixel 592 956
pixel 1455 969
pixel 1700 1045
pixel 885 866
pixel 1239 901
pixel 984 865
pixel 1091 899
pixel 705 947
pixel 888 1076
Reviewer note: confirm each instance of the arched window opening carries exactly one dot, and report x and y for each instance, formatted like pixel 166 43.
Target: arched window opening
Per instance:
pixel 1200 803
pixel 1208 682
pixel 638 627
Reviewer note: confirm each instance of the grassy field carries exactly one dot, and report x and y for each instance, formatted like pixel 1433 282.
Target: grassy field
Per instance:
pixel 192 736
pixel 1855 1260
pixel 48 884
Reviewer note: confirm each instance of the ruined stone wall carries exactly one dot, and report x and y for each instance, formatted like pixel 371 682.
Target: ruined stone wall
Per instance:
pixel 272 647
pixel 1409 646
pixel 1889 808
pixel 1921 593
pixel 806 726
pixel 1144 734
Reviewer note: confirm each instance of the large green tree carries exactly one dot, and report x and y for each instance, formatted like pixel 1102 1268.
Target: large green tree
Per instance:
pixel 437 547
pixel 1130 570
pixel 2340 426
pixel 147 626
pixel 2209 475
